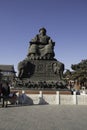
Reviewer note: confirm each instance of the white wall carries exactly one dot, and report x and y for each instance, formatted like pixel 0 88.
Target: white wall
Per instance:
pixel 57 99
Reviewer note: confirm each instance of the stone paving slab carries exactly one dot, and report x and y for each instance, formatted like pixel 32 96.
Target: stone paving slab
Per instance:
pixel 44 117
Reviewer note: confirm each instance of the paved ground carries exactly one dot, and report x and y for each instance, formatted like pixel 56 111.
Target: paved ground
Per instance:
pixel 44 117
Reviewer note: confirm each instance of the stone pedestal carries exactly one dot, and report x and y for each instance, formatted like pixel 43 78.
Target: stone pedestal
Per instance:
pixel 45 70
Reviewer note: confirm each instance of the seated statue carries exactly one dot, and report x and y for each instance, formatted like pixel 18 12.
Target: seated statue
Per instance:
pixel 41 47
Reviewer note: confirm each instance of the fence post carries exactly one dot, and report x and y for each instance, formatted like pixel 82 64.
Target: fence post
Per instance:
pixel 57 98
pixel 74 98
pixel 40 97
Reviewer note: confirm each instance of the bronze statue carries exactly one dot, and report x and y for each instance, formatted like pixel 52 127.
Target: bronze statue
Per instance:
pixel 41 47
pixel 40 67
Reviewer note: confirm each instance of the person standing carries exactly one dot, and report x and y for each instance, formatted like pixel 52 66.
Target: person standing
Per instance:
pixel 5 93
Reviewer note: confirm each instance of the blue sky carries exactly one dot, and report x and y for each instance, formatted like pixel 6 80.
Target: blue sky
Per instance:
pixel 65 21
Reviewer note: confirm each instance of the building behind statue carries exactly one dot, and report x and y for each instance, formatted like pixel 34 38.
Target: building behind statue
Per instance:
pixel 7 73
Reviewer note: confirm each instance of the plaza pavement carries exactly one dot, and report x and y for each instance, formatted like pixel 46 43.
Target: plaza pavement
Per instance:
pixel 44 117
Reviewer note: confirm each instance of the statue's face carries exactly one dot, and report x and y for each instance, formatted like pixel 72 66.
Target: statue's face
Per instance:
pixel 42 32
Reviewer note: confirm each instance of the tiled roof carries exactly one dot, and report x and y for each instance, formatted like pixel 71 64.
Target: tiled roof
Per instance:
pixel 7 68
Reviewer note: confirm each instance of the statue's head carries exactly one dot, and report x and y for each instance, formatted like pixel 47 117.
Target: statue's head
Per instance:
pixel 42 30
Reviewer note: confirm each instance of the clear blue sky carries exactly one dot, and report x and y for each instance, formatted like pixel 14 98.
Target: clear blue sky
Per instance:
pixel 65 21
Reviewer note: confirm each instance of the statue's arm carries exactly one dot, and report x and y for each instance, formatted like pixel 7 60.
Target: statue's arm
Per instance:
pixel 34 40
